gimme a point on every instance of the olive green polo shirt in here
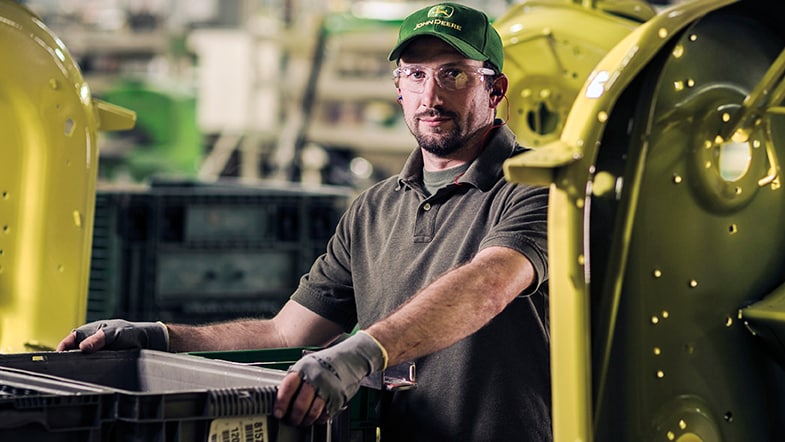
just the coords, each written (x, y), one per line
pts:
(394, 240)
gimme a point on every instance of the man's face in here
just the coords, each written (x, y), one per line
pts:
(443, 120)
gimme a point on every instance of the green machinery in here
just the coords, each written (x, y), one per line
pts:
(666, 239)
(49, 122)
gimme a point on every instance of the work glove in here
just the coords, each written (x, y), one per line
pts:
(335, 372)
(121, 334)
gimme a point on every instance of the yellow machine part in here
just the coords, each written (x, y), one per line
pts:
(47, 182)
(550, 48)
(666, 246)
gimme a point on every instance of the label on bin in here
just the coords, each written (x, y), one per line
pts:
(236, 429)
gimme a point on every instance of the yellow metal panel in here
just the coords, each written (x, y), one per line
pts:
(550, 48)
(47, 184)
(568, 163)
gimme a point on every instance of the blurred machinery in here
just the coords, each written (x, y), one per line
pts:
(165, 140)
(49, 123)
(666, 239)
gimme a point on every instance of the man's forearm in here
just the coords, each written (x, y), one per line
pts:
(293, 326)
(234, 335)
(454, 306)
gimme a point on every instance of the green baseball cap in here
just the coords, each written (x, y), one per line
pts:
(467, 30)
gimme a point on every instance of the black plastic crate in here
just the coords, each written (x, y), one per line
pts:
(362, 421)
(173, 397)
(205, 252)
(38, 408)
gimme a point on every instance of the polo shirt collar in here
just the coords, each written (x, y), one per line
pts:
(484, 171)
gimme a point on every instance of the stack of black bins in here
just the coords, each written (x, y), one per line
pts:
(142, 396)
(194, 253)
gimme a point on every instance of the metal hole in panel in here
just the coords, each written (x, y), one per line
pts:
(734, 160)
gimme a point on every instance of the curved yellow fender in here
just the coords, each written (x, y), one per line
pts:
(48, 162)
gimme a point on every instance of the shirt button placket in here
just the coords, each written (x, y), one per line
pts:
(425, 224)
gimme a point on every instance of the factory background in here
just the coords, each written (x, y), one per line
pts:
(257, 122)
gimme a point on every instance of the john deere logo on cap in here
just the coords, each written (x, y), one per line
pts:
(441, 11)
(436, 14)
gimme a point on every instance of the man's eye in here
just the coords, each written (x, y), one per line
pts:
(416, 74)
(453, 74)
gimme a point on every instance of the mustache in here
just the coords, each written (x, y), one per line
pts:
(434, 113)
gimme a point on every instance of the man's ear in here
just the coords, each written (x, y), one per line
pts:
(498, 90)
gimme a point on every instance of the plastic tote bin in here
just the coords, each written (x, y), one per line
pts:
(37, 407)
(362, 420)
(174, 397)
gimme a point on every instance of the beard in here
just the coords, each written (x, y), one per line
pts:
(439, 142)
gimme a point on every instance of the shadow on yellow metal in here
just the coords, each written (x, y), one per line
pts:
(666, 243)
(550, 48)
(48, 122)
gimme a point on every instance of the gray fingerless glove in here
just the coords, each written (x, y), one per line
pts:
(121, 334)
(336, 371)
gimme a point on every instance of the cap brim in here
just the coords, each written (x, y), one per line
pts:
(465, 49)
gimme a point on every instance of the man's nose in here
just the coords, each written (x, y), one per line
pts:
(431, 93)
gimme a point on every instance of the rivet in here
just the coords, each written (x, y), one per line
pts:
(657, 351)
(665, 314)
(660, 374)
(602, 116)
(657, 273)
(678, 85)
(678, 51)
(662, 32)
(682, 424)
(693, 283)
(725, 117)
(677, 179)
(693, 37)
(733, 229)
(655, 320)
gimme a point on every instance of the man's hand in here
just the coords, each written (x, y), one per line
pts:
(321, 384)
(117, 334)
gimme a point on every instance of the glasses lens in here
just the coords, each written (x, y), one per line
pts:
(454, 79)
(451, 78)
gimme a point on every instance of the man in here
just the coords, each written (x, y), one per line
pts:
(444, 265)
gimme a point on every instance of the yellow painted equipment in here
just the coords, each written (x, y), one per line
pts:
(550, 48)
(666, 238)
(48, 121)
